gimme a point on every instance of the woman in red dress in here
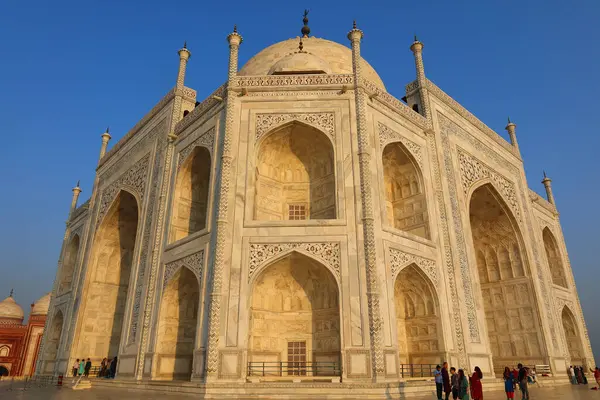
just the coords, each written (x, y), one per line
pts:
(475, 384)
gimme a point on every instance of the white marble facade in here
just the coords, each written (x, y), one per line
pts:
(302, 203)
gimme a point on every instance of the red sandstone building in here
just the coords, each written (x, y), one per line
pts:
(19, 343)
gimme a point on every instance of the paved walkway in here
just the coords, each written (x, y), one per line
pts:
(558, 393)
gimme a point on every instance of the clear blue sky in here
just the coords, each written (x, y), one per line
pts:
(70, 68)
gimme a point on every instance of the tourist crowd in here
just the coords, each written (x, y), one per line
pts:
(456, 383)
(108, 368)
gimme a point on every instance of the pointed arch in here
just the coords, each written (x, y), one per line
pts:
(572, 337)
(295, 300)
(178, 321)
(68, 265)
(295, 177)
(53, 338)
(554, 258)
(406, 205)
(190, 197)
(111, 263)
(418, 318)
(512, 315)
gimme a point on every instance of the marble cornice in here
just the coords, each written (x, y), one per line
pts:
(214, 99)
(537, 199)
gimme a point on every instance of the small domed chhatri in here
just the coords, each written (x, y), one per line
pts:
(40, 307)
(300, 224)
(10, 311)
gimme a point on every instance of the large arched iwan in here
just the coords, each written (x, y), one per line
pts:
(110, 269)
(511, 313)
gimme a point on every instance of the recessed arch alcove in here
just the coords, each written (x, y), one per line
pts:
(190, 197)
(177, 326)
(406, 206)
(294, 177)
(512, 317)
(572, 337)
(418, 318)
(294, 315)
(68, 265)
(53, 338)
(554, 258)
(110, 269)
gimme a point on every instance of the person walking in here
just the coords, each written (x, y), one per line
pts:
(596, 373)
(108, 364)
(463, 388)
(88, 366)
(113, 368)
(81, 366)
(439, 383)
(476, 387)
(446, 380)
(454, 384)
(572, 375)
(583, 377)
(102, 368)
(522, 378)
(75, 367)
(509, 383)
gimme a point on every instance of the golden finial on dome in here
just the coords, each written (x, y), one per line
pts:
(305, 29)
(11, 292)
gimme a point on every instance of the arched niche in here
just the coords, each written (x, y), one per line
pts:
(554, 259)
(572, 337)
(4, 351)
(418, 318)
(406, 206)
(4, 371)
(110, 269)
(177, 326)
(68, 265)
(294, 316)
(512, 316)
(190, 198)
(295, 178)
(53, 338)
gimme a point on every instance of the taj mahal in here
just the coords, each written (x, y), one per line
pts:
(302, 229)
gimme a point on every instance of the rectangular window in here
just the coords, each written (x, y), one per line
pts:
(296, 212)
(297, 358)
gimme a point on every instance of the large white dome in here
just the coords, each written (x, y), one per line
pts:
(335, 56)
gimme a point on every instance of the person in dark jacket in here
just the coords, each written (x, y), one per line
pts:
(88, 366)
(522, 379)
(446, 380)
(113, 367)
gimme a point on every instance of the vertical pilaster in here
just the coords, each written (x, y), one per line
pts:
(76, 191)
(184, 55)
(417, 49)
(222, 237)
(364, 160)
(511, 128)
(548, 186)
(105, 138)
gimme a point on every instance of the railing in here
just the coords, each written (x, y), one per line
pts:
(306, 368)
(417, 370)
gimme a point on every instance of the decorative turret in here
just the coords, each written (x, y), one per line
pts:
(105, 138)
(511, 128)
(548, 185)
(184, 55)
(234, 39)
(76, 191)
(417, 49)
